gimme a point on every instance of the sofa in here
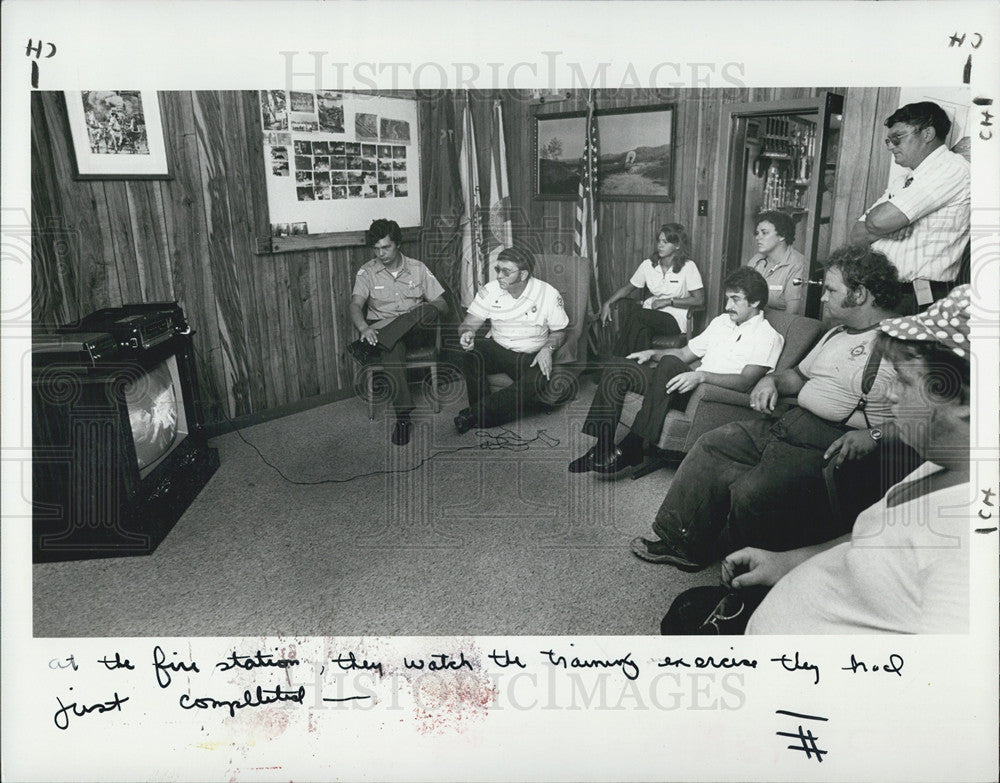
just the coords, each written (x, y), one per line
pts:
(712, 406)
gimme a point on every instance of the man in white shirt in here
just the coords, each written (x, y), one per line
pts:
(921, 222)
(736, 350)
(759, 482)
(527, 323)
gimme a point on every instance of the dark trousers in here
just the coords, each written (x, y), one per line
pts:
(621, 376)
(752, 483)
(414, 329)
(487, 357)
(638, 326)
(908, 297)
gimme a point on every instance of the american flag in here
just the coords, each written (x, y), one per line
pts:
(585, 226)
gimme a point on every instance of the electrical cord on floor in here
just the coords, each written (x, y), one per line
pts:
(501, 440)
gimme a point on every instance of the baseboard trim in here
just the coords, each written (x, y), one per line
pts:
(252, 419)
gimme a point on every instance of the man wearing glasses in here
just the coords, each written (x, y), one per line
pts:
(527, 320)
(921, 222)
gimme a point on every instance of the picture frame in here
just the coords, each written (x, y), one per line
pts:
(635, 161)
(117, 134)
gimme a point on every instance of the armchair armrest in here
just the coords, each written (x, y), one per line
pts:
(692, 312)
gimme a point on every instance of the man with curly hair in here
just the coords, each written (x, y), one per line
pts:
(759, 482)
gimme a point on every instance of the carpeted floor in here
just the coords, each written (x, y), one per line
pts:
(451, 535)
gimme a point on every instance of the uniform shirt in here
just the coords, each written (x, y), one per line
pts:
(782, 293)
(726, 348)
(388, 296)
(667, 282)
(834, 369)
(936, 202)
(894, 576)
(521, 324)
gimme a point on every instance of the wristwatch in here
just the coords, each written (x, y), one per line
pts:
(876, 434)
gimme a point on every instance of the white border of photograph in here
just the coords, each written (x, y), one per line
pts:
(91, 165)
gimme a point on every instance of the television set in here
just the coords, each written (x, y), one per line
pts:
(119, 450)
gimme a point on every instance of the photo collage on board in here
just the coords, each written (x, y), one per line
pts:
(306, 137)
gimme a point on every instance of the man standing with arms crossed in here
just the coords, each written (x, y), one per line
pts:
(921, 222)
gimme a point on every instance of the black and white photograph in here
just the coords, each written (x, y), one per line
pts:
(331, 111)
(278, 139)
(279, 165)
(340, 447)
(117, 134)
(393, 130)
(273, 110)
(302, 102)
(366, 126)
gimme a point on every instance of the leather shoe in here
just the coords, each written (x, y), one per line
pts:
(616, 463)
(465, 421)
(401, 432)
(586, 462)
(364, 352)
(659, 551)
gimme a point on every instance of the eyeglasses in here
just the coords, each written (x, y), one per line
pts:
(892, 140)
(501, 272)
(729, 608)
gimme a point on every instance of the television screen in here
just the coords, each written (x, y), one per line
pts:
(156, 413)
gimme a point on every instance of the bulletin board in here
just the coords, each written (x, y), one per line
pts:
(334, 161)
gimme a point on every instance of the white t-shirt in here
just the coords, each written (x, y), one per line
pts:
(905, 570)
(835, 368)
(667, 282)
(726, 348)
(521, 324)
(937, 203)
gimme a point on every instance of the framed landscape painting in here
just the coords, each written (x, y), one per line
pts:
(635, 161)
(117, 134)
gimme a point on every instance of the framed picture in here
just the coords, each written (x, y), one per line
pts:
(635, 161)
(117, 134)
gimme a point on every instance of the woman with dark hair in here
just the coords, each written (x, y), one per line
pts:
(905, 566)
(674, 285)
(778, 262)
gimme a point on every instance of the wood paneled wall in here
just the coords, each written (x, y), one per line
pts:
(627, 231)
(272, 330)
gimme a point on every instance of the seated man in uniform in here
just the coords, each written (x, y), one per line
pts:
(736, 350)
(759, 482)
(527, 320)
(404, 301)
(921, 222)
